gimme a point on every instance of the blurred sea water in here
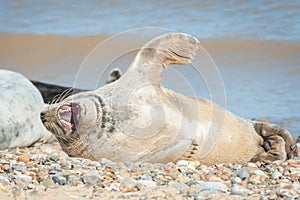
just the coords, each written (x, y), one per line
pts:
(255, 44)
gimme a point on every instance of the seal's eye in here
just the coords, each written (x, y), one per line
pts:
(68, 115)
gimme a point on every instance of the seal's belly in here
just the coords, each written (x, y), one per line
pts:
(236, 144)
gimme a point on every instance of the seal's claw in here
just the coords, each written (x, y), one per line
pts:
(293, 152)
(266, 145)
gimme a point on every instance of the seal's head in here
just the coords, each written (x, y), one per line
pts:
(70, 119)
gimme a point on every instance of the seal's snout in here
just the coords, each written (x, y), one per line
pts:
(68, 115)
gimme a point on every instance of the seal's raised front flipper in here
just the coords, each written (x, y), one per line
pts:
(156, 55)
(278, 143)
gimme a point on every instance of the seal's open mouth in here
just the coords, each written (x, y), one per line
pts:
(68, 115)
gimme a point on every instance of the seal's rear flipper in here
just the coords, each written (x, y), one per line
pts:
(156, 55)
(278, 143)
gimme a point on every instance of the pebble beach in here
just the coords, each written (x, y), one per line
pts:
(44, 171)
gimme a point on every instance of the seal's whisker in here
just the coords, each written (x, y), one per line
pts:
(54, 100)
(65, 94)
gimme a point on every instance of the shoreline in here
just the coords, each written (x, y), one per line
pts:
(43, 171)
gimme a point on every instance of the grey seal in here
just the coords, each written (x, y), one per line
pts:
(20, 105)
(136, 119)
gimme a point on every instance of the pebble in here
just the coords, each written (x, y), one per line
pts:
(114, 187)
(4, 181)
(48, 183)
(2, 188)
(34, 170)
(55, 179)
(19, 167)
(178, 186)
(6, 167)
(296, 186)
(258, 172)
(238, 190)
(144, 197)
(91, 177)
(24, 158)
(128, 184)
(252, 165)
(242, 174)
(147, 183)
(276, 175)
(195, 195)
(182, 163)
(23, 177)
(237, 180)
(74, 180)
(212, 187)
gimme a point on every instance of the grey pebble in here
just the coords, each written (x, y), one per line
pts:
(195, 195)
(269, 169)
(74, 180)
(237, 180)
(296, 186)
(1, 186)
(48, 150)
(19, 167)
(258, 172)
(212, 187)
(239, 190)
(17, 191)
(31, 186)
(21, 184)
(55, 179)
(147, 183)
(144, 197)
(48, 183)
(36, 156)
(114, 187)
(129, 182)
(4, 181)
(91, 177)
(243, 174)
(54, 166)
(145, 177)
(178, 186)
(276, 175)
(59, 180)
(23, 177)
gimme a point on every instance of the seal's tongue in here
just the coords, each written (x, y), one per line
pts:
(69, 116)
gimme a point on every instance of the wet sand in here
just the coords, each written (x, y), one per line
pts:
(56, 58)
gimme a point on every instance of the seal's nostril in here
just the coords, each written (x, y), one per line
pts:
(42, 116)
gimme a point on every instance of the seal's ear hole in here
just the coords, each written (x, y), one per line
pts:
(114, 75)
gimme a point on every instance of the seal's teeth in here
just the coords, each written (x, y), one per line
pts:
(66, 124)
(65, 110)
